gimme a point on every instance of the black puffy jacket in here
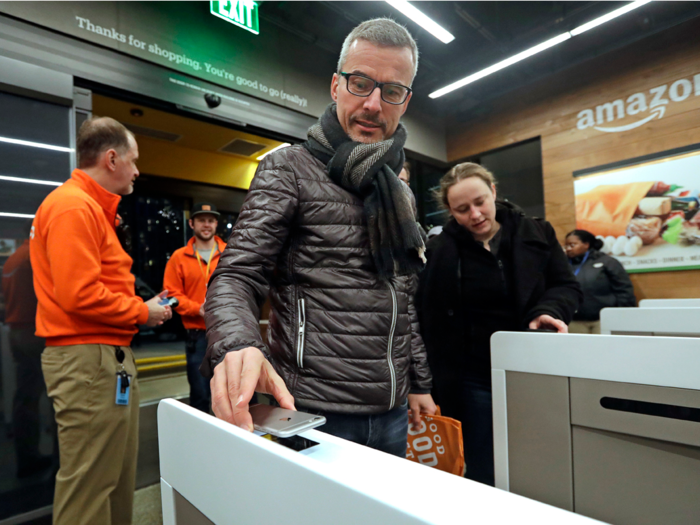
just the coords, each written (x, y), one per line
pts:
(605, 283)
(343, 340)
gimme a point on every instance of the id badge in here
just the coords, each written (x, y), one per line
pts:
(123, 388)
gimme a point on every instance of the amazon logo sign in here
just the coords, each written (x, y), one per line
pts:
(648, 106)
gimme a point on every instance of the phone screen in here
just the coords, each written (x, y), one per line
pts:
(297, 443)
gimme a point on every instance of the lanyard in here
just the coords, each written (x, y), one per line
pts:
(581, 265)
(199, 263)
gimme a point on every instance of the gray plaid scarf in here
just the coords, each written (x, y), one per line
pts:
(369, 171)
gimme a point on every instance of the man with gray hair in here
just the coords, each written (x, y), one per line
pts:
(328, 231)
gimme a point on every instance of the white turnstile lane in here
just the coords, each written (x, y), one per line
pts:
(669, 303)
(235, 477)
(665, 321)
(657, 361)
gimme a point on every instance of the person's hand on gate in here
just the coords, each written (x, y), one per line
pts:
(550, 323)
(420, 403)
(237, 378)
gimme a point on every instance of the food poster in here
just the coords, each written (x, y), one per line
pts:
(646, 214)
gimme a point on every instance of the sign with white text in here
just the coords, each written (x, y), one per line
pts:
(184, 36)
(243, 13)
(611, 117)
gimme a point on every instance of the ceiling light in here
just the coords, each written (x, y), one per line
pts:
(261, 157)
(16, 215)
(427, 23)
(606, 18)
(503, 64)
(534, 50)
(30, 181)
(34, 144)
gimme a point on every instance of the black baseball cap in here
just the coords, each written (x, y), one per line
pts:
(204, 207)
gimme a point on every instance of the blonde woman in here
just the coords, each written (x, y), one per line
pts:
(491, 269)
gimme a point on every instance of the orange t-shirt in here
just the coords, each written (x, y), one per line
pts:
(18, 288)
(82, 275)
(186, 278)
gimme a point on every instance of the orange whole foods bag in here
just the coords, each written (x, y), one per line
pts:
(608, 209)
(437, 443)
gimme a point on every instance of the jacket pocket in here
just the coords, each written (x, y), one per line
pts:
(301, 329)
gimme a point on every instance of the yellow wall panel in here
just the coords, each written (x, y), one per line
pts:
(161, 158)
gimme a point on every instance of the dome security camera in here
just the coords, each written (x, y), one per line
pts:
(213, 101)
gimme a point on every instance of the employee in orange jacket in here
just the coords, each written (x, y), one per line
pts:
(88, 312)
(186, 276)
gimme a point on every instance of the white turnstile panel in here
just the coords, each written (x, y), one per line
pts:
(657, 361)
(666, 321)
(235, 477)
(669, 303)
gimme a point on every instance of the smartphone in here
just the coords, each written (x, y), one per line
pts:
(170, 301)
(281, 422)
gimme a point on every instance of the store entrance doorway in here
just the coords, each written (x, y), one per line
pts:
(182, 161)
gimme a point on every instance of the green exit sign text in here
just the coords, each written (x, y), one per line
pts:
(243, 13)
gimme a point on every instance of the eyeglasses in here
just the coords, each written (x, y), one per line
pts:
(362, 86)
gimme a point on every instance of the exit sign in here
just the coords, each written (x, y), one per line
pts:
(243, 13)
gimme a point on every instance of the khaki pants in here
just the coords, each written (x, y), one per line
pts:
(98, 439)
(584, 327)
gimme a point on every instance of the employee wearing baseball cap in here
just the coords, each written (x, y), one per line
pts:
(186, 276)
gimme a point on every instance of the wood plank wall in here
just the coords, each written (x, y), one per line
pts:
(549, 110)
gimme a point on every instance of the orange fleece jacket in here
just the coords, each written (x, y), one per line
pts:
(82, 275)
(184, 278)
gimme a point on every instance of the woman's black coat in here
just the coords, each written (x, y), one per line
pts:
(605, 283)
(543, 283)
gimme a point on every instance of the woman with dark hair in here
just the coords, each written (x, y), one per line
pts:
(603, 279)
(491, 269)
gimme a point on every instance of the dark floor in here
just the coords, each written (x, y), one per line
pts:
(46, 520)
(147, 508)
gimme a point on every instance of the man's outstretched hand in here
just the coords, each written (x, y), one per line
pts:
(237, 378)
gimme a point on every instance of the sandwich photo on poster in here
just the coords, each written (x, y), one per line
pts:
(645, 210)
